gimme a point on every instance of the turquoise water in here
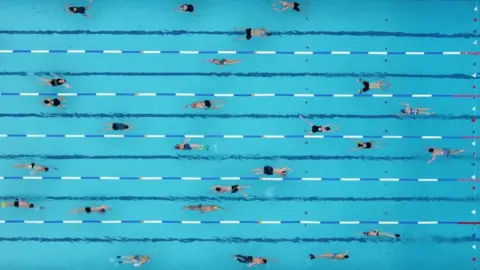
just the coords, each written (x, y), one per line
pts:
(340, 26)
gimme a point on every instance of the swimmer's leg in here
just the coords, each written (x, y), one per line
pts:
(456, 151)
(232, 62)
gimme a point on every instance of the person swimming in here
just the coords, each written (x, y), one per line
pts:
(186, 146)
(32, 166)
(232, 189)
(203, 208)
(88, 209)
(56, 102)
(57, 81)
(251, 261)
(136, 260)
(119, 126)
(381, 85)
(206, 104)
(414, 111)
(78, 10)
(268, 170)
(186, 8)
(367, 145)
(18, 203)
(446, 152)
(249, 33)
(223, 62)
(378, 233)
(324, 128)
(286, 5)
(331, 256)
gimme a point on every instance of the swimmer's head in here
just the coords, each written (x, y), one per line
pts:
(365, 233)
(430, 150)
(269, 34)
(102, 210)
(177, 146)
(360, 145)
(346, 257)
(31, 205)
(264, 261)
(72, 9)
(403, 111)
(47, 101)
(183, 7)
(63, 80)
(211, 60)
(218, 189)
(284, 173)
(126, 126)
(46, 169)
(327, 128)
(214, 208)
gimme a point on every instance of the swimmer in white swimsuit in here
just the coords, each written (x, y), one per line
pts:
(414, 111)
(446, 152)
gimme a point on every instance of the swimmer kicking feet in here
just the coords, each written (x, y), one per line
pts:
(414, 111)
(381, 85)
(268, 170)
(185, 8)
(285, 5)
(18, 203)
(56, 102)
(249, 33)
(136, 260)
(77, 10)
(324, 128)
(58, 81)
(446, 152)
(223, 62)
(89, 209)
(32, 166)
(203, 208)
(206, 104)
(378, 233)
(367, 145)
(331, 256)
(186, 146)
(232, 189)
(119, 127)
(252, 260)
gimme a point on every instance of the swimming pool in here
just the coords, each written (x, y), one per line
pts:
(384, 185)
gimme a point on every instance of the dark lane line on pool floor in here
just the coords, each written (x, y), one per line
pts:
(236, 33)
(227, 116)
(249, 199)
(240, 240)
(245, 74)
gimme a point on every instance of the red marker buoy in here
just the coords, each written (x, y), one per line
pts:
(475, 19)
(474, 86)
(474, 259)
(474, 120)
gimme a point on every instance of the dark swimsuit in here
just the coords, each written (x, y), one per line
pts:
(208, 103)
(244, 259)
(56, 102)
(268, 170)
(88, 209)
(79, 10)
(190, 8)
(187, 147)
(367, 145)
(16, 203)
(222, 62)
(248, 33)
(366, 86)
(316, 129)
(296, 6)
(118, 126)
(56, 82)
(234, 188)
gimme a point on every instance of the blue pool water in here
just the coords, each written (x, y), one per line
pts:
(356, 26)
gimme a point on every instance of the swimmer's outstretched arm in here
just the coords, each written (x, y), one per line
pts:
(186, 141)
(306, 121)
(287, 169)
(89, 4)
(433, 158)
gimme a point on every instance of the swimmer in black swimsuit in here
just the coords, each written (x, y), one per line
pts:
(185, 8)
(18, 203)
(223, 62)
(251, 261)
(287, 5)
(206, 104)
(56, 102)
(268, 170)
(367, 145)
(32, 166)
(380, 85)
(203, 208)
(118, 127)
(249, 33)
(325, 128)
(58, 81)
(378, 233)
(232, 189)
(88, 209)
(77, 10)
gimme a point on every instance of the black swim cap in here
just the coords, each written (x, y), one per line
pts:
(126, 126)
(177, 146)
(71, 9)
(327, 128)
(218, 189)
(264, 260)
(102, 210)
(46, 169)
(269, 34)
(360, 145)
(46, 101)
(31, 205)
(430, 150)
(346, 257)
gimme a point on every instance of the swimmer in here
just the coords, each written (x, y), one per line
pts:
(18, 203)
(186, 146)
(332, 256)
(185, 8)
(367, 145)
(232, 189)
(268, 170)
(206, 104)
(58, 81)
(136, 260)
(249, 33)
(89, 209)
(446, 152)
(77, 10)
(381, 85)
(325, 128)
(119, 127)
(286, 5)
(56, 102)
(252, 260)
(223, 62)
(378, 233)
(414, 111)
(203, 208)
(32, 166)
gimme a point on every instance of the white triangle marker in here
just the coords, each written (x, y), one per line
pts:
(474, 246)
(474, 143)
(474, 75)
(475, 9)
(473, 212)
(473, 177)
(475, 42)
(474, 108)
